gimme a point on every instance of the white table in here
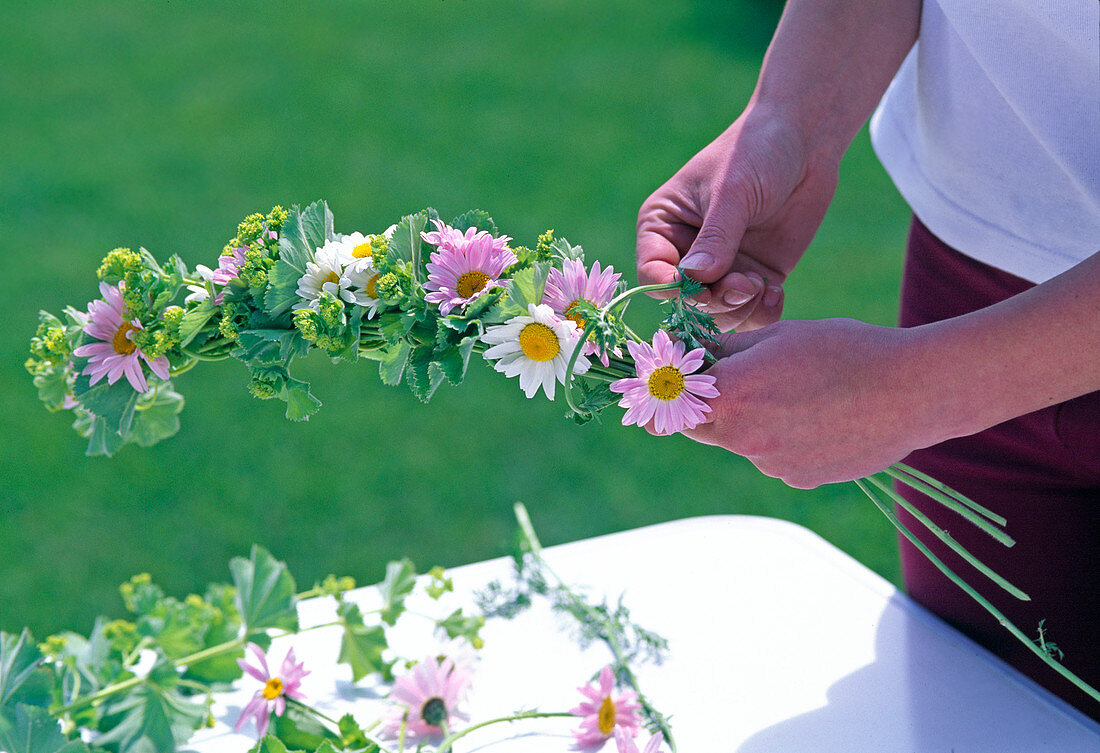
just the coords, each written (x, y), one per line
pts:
(778, 642)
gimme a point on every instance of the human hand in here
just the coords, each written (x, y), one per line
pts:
(738, 215)
(813, 402)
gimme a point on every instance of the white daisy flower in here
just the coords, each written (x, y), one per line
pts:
(324, 275)
(360, 274)
(536, 348)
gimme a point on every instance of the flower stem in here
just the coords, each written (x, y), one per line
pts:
(450, 739)
(945, 537)
(608, 636)
(884, 508)
(132, 682)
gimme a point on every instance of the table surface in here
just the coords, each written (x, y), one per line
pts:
(778, 642)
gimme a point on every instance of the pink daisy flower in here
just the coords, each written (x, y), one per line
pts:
(572, 285)
(426, 699)
(625, 744)
(663, 391)
(276, 689)
(116, 354)
(465, 265)
(606, 712)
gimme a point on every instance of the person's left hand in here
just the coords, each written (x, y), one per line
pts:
(814, 402)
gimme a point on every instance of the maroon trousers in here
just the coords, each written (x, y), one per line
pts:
(1040, 471)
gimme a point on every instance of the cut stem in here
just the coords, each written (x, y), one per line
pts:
(885, 509)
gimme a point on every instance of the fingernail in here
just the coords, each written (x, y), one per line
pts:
(697, 261)
(772, 295)
(736, 297)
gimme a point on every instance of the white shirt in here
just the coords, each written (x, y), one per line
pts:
(991, 131)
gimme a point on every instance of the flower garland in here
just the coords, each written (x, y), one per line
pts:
(419, 298)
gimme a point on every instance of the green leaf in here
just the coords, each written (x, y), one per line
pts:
(478, 218)
(101, 439)
(391, 363)
(159, 419)
(265, 591)
(453, 361)
(53, 386)
(398, 584)
(19, 657)
(268, 744)
(352, 736)
(270, 346)
(458, 625)
(423, 380)
(297, 728)
(302, 234)
(32, 729)
(362, 645)
(282, 288)
(153, 718)
(393, 326)
(524, 288)
(562, 249)
(300, 402)
(406, 243)
(114, 404)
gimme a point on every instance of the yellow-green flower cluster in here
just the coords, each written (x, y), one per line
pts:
(323, 327)
(260, 250)
(118, 263)
(543, 251)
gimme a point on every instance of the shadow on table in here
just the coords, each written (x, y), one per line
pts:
(922, 697)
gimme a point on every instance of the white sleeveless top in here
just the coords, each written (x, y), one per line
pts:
(991, 131)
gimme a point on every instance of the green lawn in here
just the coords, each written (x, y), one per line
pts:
(161, 124)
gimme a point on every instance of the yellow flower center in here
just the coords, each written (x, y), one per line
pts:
(273, 689)
(362, 251)
(369, 290)
(470, 283)
(606, 717)
(538, 342)
(123, 345)
(666, 383)
(574, 316)
(331, 277)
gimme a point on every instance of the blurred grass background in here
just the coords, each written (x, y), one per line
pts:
(162, 124)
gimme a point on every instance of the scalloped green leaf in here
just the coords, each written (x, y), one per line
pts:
(362, 646)
(423, 379)
(526, 287)
(478, 218)
(399, 582)
(392, 360)
(265, 591)
(153, 718)
(300, 402)
(32, 729)
(19, 657)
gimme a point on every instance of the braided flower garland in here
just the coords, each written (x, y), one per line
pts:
(419, 298)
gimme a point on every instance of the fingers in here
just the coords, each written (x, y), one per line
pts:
(764, 308)
(712, 253)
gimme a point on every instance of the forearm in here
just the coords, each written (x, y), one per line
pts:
(1033, 350)
(829, 63)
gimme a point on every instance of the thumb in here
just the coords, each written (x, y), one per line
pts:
(712, 253)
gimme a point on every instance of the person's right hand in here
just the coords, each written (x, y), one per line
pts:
(738, 216)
